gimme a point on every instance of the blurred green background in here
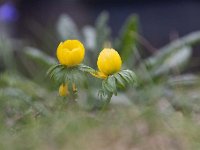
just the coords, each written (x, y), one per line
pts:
(158, 40)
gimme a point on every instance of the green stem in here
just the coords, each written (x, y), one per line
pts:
(72, 98)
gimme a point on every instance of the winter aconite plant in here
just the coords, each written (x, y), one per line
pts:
(69, 71)
(109, 64)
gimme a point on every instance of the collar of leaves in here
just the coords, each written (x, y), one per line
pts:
(118, 80)
(62, 74)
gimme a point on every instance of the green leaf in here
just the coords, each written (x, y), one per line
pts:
(174, 62)
(58, 74)
(52, 68)
(102, 94)
(132, 75)
(184, 80)
(85, 68)
(112, 83)
(129, 76)
(66, 28)
(62, 74)
(106, 87)
(120, 80)
(105, 95)
(128, 38)
(39, 57)
(89, 34)
(102, 30)
(126, 76)
(158, 58)
(123, 76)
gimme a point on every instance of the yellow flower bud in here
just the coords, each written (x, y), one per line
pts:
(74, 87)
(109, 61)
(63, 90)
(70, 53)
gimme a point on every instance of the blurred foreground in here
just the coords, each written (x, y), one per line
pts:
(156, 124)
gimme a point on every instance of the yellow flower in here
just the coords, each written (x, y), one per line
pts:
(63, 89)
(109, 62)
(70, 53)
